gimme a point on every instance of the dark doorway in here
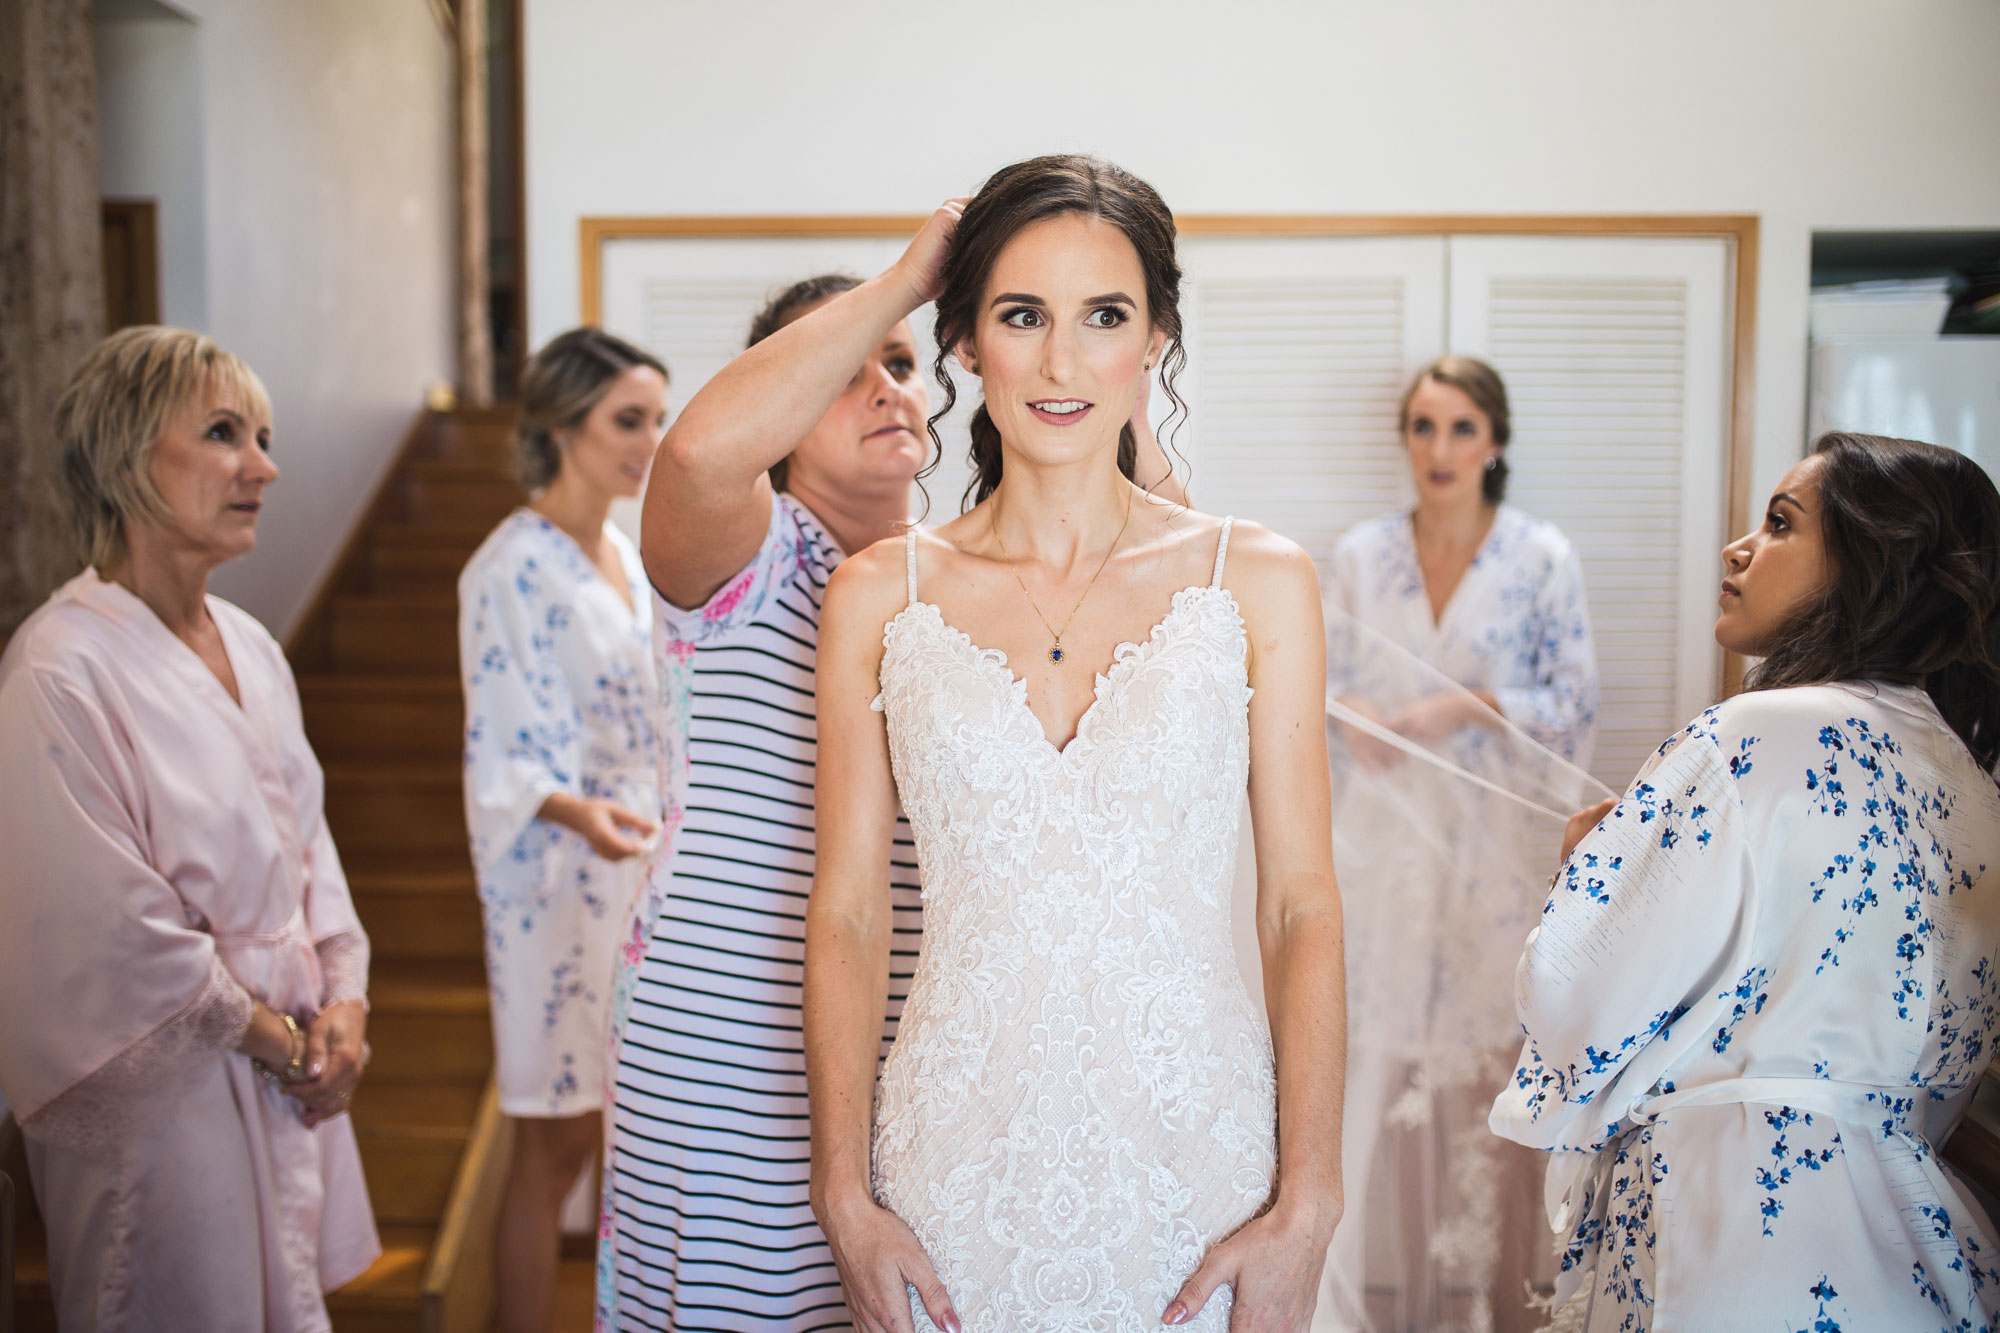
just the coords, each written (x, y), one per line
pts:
(131, 263)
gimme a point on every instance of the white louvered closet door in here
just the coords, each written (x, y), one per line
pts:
(1615, 353)
(690, 300)
(1298, 352)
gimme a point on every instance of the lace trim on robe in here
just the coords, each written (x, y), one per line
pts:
(128, 1096)
(343, 965)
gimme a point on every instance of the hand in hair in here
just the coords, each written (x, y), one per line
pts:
(922, 263)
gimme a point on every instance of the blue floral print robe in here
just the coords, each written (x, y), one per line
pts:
(1440, 882)
(560, 696)
(1760, 996)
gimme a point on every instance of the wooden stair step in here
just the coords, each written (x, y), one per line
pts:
(394, 533)
(428, 988)
(403, 866)
(388, 1298)
(411, 1177)
(411, 1045)
(382, 716)
(371, 634)
(459, 436)
(403, 924)
(462, 496)
(449, 877)
(415, 1108)
(408, 805)
(449, 471)
(429, 1020)
(414, 568)
(393, 867)
(461, 531)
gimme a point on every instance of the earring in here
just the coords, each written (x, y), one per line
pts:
(1493, 462)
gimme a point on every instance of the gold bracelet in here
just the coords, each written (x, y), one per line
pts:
(294, 1069)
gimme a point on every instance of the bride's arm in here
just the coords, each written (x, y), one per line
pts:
(847, 951)
(1273, 1263)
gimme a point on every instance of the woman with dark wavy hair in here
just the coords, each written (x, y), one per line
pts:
(1767, 980)
(1070, 687)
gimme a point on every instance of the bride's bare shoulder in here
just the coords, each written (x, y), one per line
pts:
(1271, 576)
(869, 584)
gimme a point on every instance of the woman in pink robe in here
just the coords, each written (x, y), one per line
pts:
(182, 976)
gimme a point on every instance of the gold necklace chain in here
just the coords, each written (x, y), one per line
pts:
(1056, 653)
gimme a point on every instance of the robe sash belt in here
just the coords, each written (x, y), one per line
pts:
(1883, 1109)
(280, 968)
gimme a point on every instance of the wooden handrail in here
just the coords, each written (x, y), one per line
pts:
(458, 1280)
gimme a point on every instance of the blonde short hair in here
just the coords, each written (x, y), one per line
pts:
(114, 410)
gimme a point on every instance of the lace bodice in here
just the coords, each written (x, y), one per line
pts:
(1081, 1100)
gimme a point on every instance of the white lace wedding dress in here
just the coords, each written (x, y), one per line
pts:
(1081, 1101)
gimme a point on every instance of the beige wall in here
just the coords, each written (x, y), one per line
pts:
(1813, 113)
(325, 236)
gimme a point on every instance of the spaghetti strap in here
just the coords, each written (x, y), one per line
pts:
(1221, 554)
(910, 562)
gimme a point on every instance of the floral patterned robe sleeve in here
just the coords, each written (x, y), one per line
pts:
(523, 736)
(1639, 926)
(1560, 708)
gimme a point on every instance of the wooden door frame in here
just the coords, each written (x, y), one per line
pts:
(141, 220)
(1739, 230)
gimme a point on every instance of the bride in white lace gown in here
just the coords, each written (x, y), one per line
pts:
(1078, 1126)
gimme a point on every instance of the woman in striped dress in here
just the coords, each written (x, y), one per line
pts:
(706, 1223)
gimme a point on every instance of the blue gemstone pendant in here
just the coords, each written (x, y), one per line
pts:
(1056, 654)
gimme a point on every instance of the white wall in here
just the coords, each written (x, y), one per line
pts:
(320, 248)
(149, 120)
(1811, 113)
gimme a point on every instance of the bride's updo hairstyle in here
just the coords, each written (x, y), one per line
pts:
(1017, 197)
(1912, 535)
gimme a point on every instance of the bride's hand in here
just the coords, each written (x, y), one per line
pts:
(920, 263)
(1273, 1266)
(879, 1259)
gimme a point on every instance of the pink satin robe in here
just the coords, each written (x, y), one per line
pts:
(166, 860)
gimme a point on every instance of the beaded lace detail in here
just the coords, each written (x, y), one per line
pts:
(132, 1095)
(1081, 1102)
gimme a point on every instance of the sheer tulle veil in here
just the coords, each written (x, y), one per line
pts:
(1443, 848)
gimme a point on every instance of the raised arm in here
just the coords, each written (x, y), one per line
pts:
(709, 500)
(1274, 1262)
(848, 925)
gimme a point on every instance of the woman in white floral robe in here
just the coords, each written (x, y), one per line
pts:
(562, 723)
(1488, 662)
(1765, 985)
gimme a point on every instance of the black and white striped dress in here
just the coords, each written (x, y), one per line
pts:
(707, 1221)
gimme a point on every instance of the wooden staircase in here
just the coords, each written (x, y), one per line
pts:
(377, 665)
